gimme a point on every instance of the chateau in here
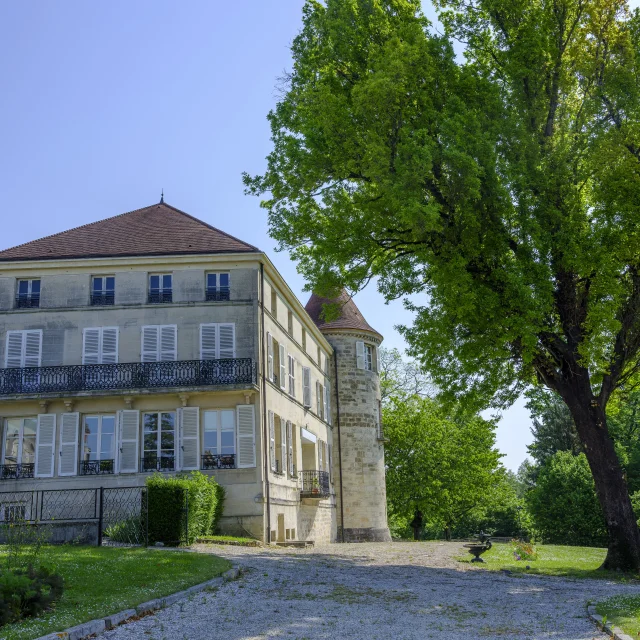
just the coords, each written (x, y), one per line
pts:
(153, 342)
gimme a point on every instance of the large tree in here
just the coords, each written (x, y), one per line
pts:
(504, 188)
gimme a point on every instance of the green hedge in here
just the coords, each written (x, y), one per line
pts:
(183, 507)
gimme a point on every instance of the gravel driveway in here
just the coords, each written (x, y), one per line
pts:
(390, 591)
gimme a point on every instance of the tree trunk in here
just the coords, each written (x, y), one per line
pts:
(624, 537)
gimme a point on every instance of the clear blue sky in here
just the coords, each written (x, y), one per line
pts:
(105, 103)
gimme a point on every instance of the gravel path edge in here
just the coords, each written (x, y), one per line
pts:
(94, 627)
(615, 632)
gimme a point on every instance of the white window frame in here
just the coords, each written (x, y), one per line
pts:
(161, 277)
(114, 445)
(159, 434)
(282, 361)
(219, 430)
(29, 282)
(20, 438)
(103, 291)
(270, 359)
(306, 387)
(368, 357)
(218, 287)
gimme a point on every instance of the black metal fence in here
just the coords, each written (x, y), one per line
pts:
(127, 375)
(118, 513)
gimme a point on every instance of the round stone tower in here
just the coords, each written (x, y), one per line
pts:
(358, 445)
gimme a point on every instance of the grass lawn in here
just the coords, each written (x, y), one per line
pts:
(99, 581)
(623, 612)
(553, 560)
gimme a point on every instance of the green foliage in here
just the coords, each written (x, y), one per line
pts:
(401, 379)
(524, 550)
(128, 531)
(183, 507)
(218, 508)
(445, 465)
(564, 505)
(24, 542)
(27, 593)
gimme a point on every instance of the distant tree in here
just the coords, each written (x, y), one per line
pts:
(444, 465)
(402, 378)
(553, 427)
(502, 189)
(564, 505)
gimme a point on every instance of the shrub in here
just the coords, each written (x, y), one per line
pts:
(27, 593)
(524, 550)
(23, 543)
(181, 508)
(128, 531)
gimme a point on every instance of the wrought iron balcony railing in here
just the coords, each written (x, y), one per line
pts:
(153, 462)
(156, 297)
(211, 461)
(128, 375)
(16, 471)
(26, 301)
(103, 298)
(96, 467)
(217, 295)
(315, 484)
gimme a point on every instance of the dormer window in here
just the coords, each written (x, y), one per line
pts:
(103, 290)
(218, 286)
(160, 288)
(28, 294)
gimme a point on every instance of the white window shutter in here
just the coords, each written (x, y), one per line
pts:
(227, 337)
(283, 368)
(109, 346)
(168, 342)
(45, 445)
(319, 400)
(360, 354)
(13, 351)
(283, 446)
(68, 458)
(33, 348)
(189, 424)
(149, 350)
(272, 440)
(129, 421)
(292, 377)
(208, 341)
(306, 386)
(270, 357)
(246, 435)
(325, 455)
(320, 449)
(290, 441)
(327, 402)
(91, 346)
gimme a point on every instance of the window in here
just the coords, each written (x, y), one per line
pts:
(159, 440)
(292, 377)
(16, 512)
(100, 345)
(327, 404)
(319, 399)
(290, 322)
(23, 349)
(274, 304)
(218, 287)
(103, 290)
(159, 343)
(28, 294)
(319, 352)
(304, 339)
(292, 450)
(98, 445)
(283, 366)
(364, 356)
(19, 448)
(270, 357)
(217, 341)
(160, 288)
(219, 439)
(306, 386)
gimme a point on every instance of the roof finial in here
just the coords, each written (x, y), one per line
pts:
(162, 197)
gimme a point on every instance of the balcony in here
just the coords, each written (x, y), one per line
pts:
(16, 471)
(217, 295)
(102, 298)
(96, 467)
(125, 376)
(153, 462)
(315, 484)
(160, 297)
(213, 461)
(27, 301)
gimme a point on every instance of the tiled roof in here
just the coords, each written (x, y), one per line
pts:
(156, 230)
(350, 316)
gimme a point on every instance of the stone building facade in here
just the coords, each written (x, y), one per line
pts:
(152, 342)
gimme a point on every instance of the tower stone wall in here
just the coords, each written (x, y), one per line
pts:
(361, 451)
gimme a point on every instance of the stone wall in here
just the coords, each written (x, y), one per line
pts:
(363, 472)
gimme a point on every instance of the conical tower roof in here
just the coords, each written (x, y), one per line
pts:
(350, 316)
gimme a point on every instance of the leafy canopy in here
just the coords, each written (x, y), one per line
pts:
(504, 188)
